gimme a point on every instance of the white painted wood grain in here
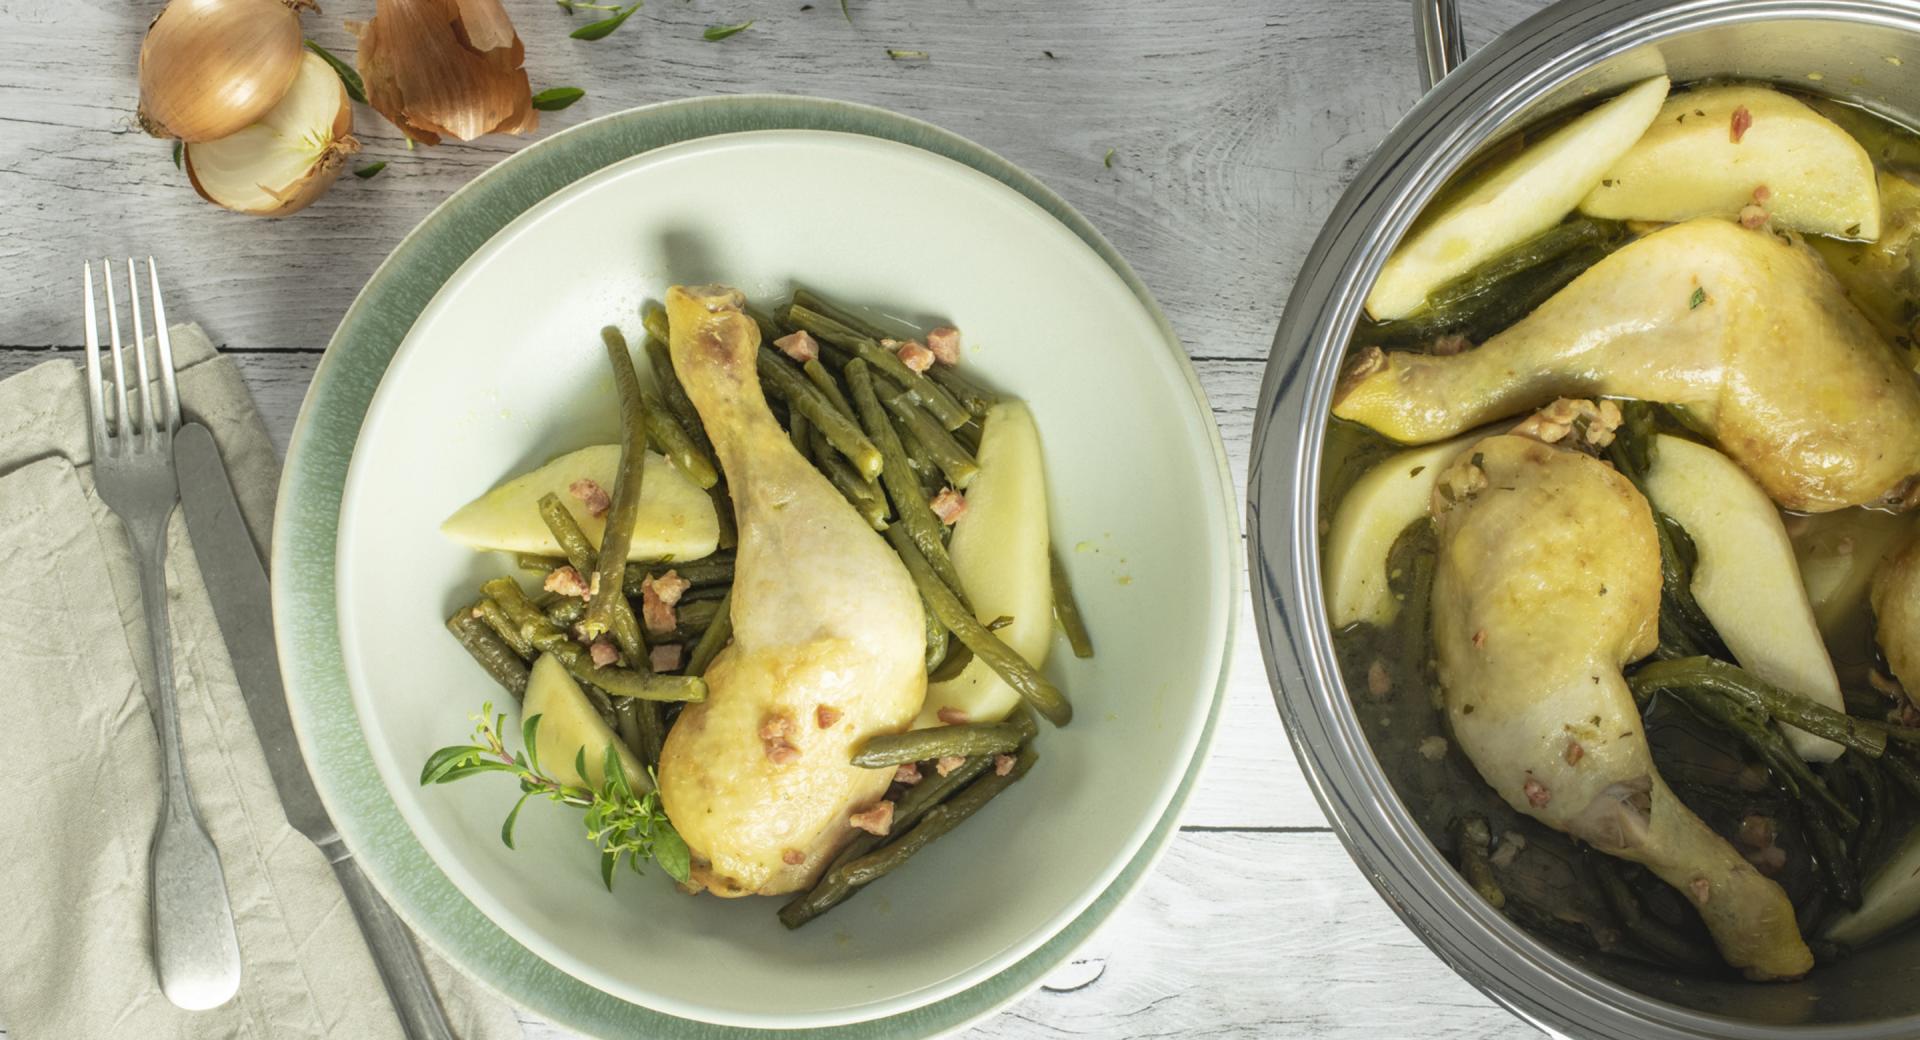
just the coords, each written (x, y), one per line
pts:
(1233, 124)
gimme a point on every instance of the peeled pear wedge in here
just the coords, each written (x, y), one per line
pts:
(1529, 194)
(1687, 165)
(569, 725)
(676, 520)
(999, 548)
(1890, 898)
(1839, 554)
(1746, 579)
(1380, 505)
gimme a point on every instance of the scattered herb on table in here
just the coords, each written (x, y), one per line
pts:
(908, 55)
(177, 147)
(1109, 158)
(356, 88)
(721, 32)
(553, 99)
(371, 170)
(605, 26)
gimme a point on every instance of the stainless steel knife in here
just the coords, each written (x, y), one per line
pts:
(237, 584)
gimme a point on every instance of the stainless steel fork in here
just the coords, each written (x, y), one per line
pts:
(195, 951)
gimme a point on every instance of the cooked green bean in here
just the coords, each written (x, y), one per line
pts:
(714, 639)
(691, 620)
(1756, 729)
(672, 440)
(491, 652)
(566, 612)
(1027, 681)
(919, 745)
(800, 432)
(817, 373)
(778, 376)
(626, 723)
(574, 545)
(969, 394)
(534, 563)
(496, 619)
(909, 500)
(1066, 609)
(1903, 773)
(673, 393)
(940, 447)
(654, 320)
(1873, 811)
(582, 556)
(864, 495)
(716, 569)
(610, 565)
(1830, 852)
(1474, 838)
(939, 821)
(942, 404)
(1645, 929)
(919, 460)
(549, 639)
(1731, 681)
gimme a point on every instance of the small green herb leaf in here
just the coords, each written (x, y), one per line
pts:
(506, 829)
(721, 32)
(1109, 158)
(907, 55)
(178, 147)
(370, 170)
(445, 760)
(1699, 297)
(553, 99)
(605, 26)
(670, 851)
(356, 89)
(529, 735)
(844, 13)
(609, 859)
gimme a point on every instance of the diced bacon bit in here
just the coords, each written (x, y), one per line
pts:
(1451, 344)
(949, 763)
(825, 715)
(1575, 753)
(1379, 679)
(566, 581)
(658, 594)
(799, 346)
(1756, 831)
(603, 653)
(908, 774)
(1537, 794)
(1480, 638)
(476, 613)
(1768, 861)
(590, 494)
(793, 857)
(1742, 121)
(665, 657)
(1002, 764)
(912, 353)
(876, 819)
(1753, 216)
(945, 344)
(776, 732)
(949, 505)
(1762, 193)
(1701, 888)
(953, 716)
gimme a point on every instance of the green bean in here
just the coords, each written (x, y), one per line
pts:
(610, 566)
(534, 563)
(970, 395)
(919, 745)
(940, 447)
(1873, 811)
(956, 659)
(1731, 681)
(626, 723)
(566, 612)
(574, 545)
(1836, 867)
(729, 535)
(938, 822)
(691, 620)
(714, 639)
(1066, 609)
(1472, 837)
(1648, 931)
(937, 400)
(653, 728)
(494, 618)
(674, 394)
(673, 441)
(654, 320)
(919, 460)
(549, 639)
(1032, 687)
(581, 555)
(716, 569)
(938, 643)
(1757, 731)
(863, 495)
(800, 432)
(909, 501)
(492, 653)
(817, 373)
(778, 375)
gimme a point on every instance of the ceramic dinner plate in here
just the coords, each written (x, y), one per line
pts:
(473, 354)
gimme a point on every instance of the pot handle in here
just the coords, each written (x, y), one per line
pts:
(1436, 26)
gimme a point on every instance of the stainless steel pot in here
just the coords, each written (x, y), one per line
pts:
(1867, 50)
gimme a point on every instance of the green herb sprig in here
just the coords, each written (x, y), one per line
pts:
(349, 78)
(605, 26)
(619, 822)
(721, 32)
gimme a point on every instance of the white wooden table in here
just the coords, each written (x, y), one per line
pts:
(1233, 126)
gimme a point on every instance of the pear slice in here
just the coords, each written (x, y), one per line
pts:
(676, 520)
(569, 725)
(1688, 165)
(1891, 898)
(1531, 193)
(1839, 554)
(1000, 551)
(1747, 580)
(1379, 506)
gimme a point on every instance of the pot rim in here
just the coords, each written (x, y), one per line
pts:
(1494, 90)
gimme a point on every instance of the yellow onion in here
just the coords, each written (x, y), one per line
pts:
(210, 67)
(287, 159)
(446, 68)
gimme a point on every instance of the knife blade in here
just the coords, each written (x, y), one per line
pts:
(237, 585)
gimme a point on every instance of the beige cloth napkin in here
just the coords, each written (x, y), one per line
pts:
(79, 759)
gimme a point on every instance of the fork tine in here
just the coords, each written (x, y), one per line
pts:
(169, 393)
(145, 385)
(96, 405)
(120, 418)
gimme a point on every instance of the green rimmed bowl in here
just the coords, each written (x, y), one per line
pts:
(445, 375)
